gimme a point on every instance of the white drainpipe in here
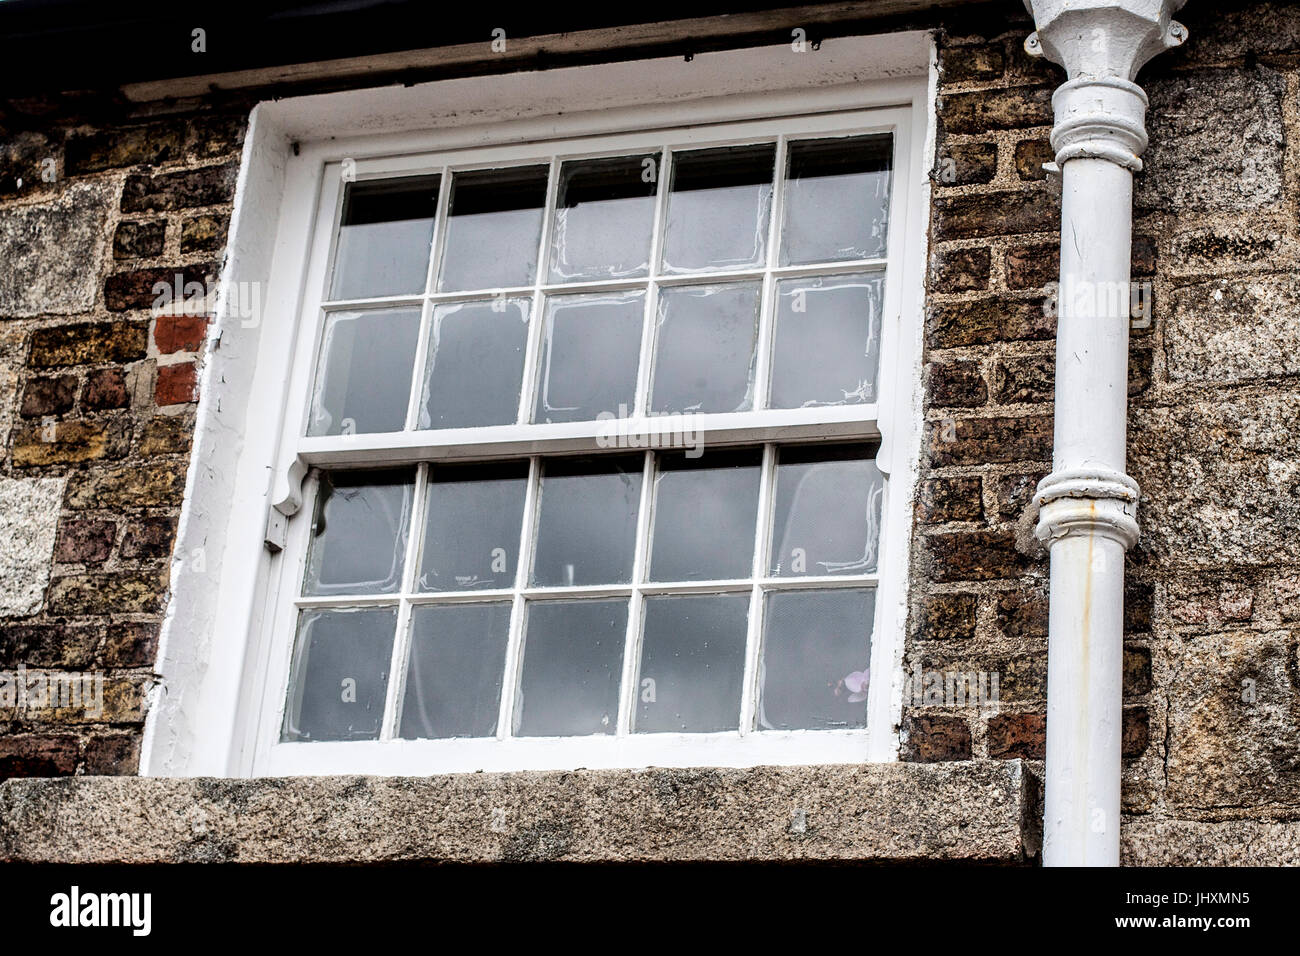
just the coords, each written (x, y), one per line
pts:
(1088, 505)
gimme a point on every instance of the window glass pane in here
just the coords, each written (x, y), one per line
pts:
(816, 658)
(692, 664)
(340, 674)
(494, 226)
(363, 382)
(590, 356)
(704, 515)
(586, 530)
(473, 518)
(604, 216)
(384, 237)
(573, 657)
(826, 517)
(453, 679)
(826, 349)
(475, 363)
(837, 199)
(719, 208)
(358, 535)
(704, 353)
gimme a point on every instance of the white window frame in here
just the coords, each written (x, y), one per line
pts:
(311, 187)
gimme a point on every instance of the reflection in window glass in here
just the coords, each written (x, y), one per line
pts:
(586, 528)
(363, 381)
(718, 209)
(826, 517)
(359, 530)
(704, 515)
(385, 233)
(826, 348)
(816, 659)
(473, 516)
(573, 658)
(692, 664)
(705, 348)
(340, 674)
(475, 363)
(837, 199)
(494, 226)
(603, 219)
(590, 356)
(453, 680)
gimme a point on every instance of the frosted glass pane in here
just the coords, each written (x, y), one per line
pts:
(837, 199)
(340, 674)
(453, 680)
(827, 343)
(826, 518)
(590, 355)
(816, 659)
(472, 522)
(573, 659)
(363, 381)
(704, 353)
(494, 227)
(704, 515)
(586, 530)
(358, 535)
(385, 233)
(692, 664)
(475, 364)
(719, 208)
(604, 217)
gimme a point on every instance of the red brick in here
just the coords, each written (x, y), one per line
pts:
(112, 755)
(84, 541)
(179, 333)
(48, 395)
(38, 755)
(1018, 735)
(105, 388)
(177, 384)
(933, 739)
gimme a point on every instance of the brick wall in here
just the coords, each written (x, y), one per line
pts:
(97, 394)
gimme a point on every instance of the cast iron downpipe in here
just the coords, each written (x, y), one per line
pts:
(1088, 505)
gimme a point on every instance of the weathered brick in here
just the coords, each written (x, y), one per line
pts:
(957, 384)
(205, 186)
(1032, 266)
(1017, 735)
(29, 162)
(1136, 732)
(112, 755)
(130, 645)
(1029, 157)
(934, 738)
(1137, 671)
(974, 556)
(116, 593)
(149, 537)
(1139, 605)
(985, 110)
(48, 395)
(987, 320)
(1140, 365)
(950, 499)
(139, 240)
(124, 146)
(959, 270)
(105, 388)
(179, 333)
(1025, 379)
(980, 215)
(69, 442)
(204, 233)
(55, 645)
(1144, 256)
(158, 483)
(166, 435)
(1015, 493)
(944, 617)
(1022, 615)
(96, 343)
(964, 64)
(158, 288)
(966, 164)
(991, 440)
(85, 541)
(38, 755)
(177, 384)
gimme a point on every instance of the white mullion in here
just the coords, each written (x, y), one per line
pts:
(523, 567)
(441, 227)
(402, 640)
(754, 637)
(767, 302)
(636, 603)
(421, 363)
(531, 379)
(649, 332)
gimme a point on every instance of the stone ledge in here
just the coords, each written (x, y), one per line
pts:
(1155, 842)
(976, 811)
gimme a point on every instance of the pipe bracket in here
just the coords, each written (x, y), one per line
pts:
(1087, 501)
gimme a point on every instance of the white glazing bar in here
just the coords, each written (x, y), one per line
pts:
(645, 368)
(640, 559)
(767, 305)
(537, 319)
(402, 640)
(518, 610)
(754, 636)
